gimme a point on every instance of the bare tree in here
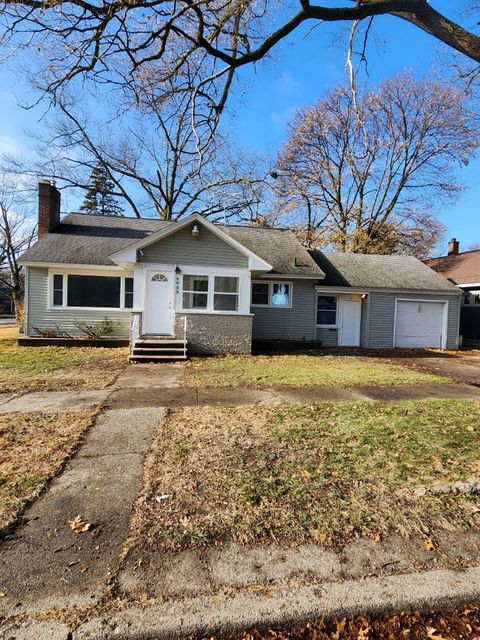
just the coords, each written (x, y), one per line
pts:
(368, 173)
(189, 47)
(17, 233)
(153, 159)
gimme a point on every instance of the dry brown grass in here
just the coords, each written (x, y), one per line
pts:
(8, 331)
(55, 368)
(34, 448)
(322, 473)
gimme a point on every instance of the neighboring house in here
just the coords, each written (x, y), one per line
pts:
(463, 269)
(222, 286)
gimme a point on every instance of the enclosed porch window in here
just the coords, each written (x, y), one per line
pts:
(210, 293)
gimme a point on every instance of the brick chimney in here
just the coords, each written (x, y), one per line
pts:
(453, 247)
(48, 207)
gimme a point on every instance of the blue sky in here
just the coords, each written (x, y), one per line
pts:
(296, 74)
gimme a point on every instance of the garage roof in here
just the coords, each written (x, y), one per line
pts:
(379, 272)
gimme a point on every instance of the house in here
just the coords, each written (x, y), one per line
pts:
(219, 287)
(463, 269)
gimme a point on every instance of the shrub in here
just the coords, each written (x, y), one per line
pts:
(96, 329)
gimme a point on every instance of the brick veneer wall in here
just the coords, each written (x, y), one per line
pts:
(216, 333)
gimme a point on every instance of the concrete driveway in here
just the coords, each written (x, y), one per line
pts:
(464, 368)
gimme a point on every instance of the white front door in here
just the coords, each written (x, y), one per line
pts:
(350, 324)
(158, 315)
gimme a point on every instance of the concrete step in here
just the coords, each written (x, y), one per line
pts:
(163, 349)
(158, 357)
(158, 341)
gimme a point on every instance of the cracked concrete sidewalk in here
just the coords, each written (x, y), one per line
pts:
(44, 564)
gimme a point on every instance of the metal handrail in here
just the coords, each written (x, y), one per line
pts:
(184, 336)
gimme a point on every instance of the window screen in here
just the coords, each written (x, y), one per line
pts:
(93, 291)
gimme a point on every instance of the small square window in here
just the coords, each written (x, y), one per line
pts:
(260, 294)
(281, 294)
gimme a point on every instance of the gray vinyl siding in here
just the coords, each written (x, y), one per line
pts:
(365, 322)
(38, 314)
(328, 337)
(297, 323)
(207, 250)
(382, 317)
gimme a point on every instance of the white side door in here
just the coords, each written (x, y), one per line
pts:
(351, 315)
(158, 308)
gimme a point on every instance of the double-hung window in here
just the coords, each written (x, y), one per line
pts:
(210, 293)
(225, 297)
(271, 294)
(91, 291)
(195, 292)
(326, 311)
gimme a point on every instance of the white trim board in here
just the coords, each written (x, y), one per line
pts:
(73, 265)
(367, 290)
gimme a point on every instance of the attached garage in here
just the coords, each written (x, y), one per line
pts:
(421, 324)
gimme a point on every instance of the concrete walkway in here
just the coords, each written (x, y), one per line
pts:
(236, 396)
(53, 401)
(45, 564)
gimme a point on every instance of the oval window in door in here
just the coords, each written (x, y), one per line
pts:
(159, 277)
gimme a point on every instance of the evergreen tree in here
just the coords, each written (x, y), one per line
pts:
(99, 198)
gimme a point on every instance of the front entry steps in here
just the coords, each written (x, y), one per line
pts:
(152, 348)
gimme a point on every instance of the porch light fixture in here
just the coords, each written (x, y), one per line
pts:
(195, 231)
(178, 271)
(364, 295)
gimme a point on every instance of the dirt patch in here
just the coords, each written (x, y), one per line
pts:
(35, 447)
(462, 368)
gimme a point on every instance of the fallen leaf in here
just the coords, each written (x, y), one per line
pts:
(434, 635)
(378, 536)
(430, 545)
(78, 525)
(2, 595)
(470, 428)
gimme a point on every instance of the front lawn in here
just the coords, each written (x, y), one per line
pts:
(34, 448)
(56, 368)
(320, 473)
(300, 370)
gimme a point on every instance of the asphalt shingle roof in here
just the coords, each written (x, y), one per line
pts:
(87, 239)
(461, 268)
(379, 272)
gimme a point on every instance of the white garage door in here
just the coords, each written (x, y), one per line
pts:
(419, 324)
